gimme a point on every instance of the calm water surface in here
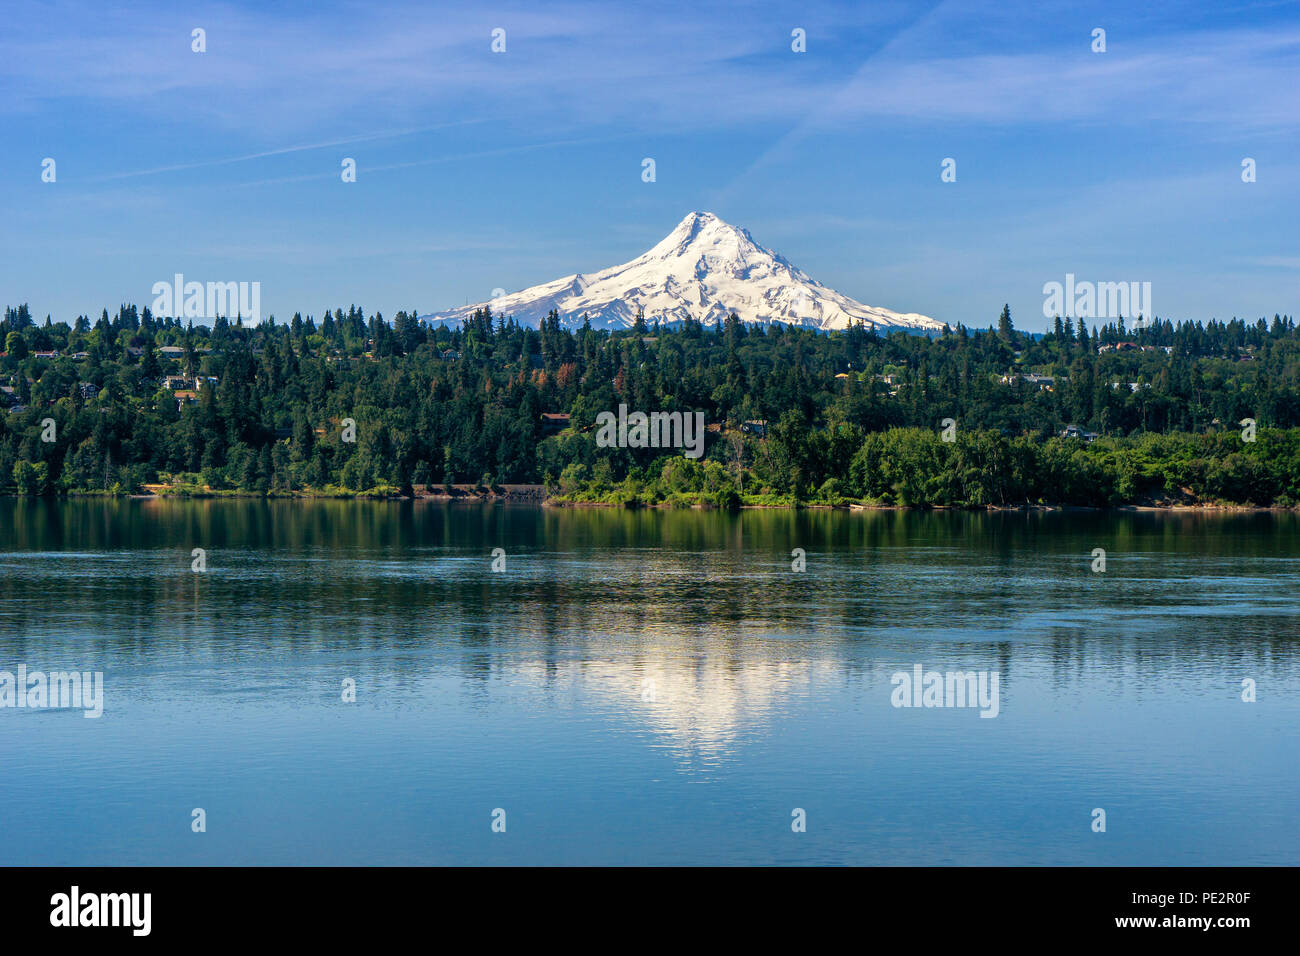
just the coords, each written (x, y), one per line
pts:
(646, 687)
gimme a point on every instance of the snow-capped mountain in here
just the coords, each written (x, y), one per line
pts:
(704, 269)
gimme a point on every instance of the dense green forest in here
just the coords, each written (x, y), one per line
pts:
(348, 404)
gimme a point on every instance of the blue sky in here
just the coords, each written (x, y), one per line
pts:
(478, 170)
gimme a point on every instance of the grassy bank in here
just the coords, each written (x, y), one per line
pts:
(842, 468)
(912, 467)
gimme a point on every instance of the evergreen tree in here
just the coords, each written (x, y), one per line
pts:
(1006, 331)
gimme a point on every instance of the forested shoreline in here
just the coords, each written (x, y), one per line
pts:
(1159, 414)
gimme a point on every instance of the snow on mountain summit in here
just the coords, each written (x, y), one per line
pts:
(705, 269)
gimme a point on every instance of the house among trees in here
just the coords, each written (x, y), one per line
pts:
(1119, 347)
(758, 428)
(1074, 431)
(554, 422)
(185, 397)
(1042, 382)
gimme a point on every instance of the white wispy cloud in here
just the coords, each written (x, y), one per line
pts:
(284, 150)
(595, 64)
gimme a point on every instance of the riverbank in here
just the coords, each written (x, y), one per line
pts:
(560, 502)
(537, 495)
(464, 492)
